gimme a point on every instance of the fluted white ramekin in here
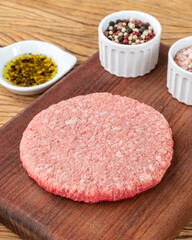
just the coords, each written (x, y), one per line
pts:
(129, 60)
(179, 81)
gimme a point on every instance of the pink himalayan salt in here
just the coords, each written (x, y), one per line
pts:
(184, 58)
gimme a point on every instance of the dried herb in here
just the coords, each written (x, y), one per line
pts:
(30, 70)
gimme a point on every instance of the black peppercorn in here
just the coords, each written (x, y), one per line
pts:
(139, 34)
(120, 38)
(118, 21)
(106, 33)
(142, 29)
(130, 31)
(111, 23)
(115, 29)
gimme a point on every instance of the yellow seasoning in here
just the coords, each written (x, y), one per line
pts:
(29, 70)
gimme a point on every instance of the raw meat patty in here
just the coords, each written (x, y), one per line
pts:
(98, 147)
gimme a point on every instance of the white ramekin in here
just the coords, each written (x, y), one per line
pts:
(129, 60)
(179, 81)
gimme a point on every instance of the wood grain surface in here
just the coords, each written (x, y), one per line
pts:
(33, 213)
(72, 26)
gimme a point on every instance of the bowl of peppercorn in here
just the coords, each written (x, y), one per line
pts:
(30, 67)
(129, 43)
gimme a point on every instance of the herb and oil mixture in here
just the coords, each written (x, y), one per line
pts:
(29, 70)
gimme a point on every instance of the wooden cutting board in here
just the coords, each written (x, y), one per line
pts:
(157, 214)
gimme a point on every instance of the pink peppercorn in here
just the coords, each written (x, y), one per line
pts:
(125, 20)
(135, 33)
(137, 22)
(125, 41)
(116, 33)
(120, 24)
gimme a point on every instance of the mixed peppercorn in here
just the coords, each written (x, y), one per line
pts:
(129, 31)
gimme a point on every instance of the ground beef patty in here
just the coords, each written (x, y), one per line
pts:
(98, 147)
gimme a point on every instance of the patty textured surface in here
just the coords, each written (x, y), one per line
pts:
(97, 147)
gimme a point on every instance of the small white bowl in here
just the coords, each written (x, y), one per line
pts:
(179, 81)
(63, 60)
(129, 60)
